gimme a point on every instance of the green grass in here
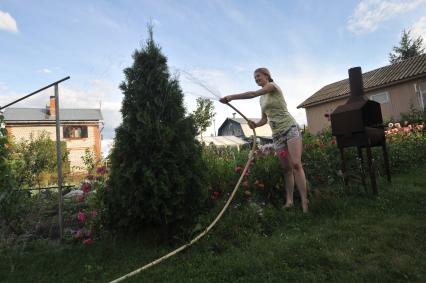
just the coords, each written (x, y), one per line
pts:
(348, 237)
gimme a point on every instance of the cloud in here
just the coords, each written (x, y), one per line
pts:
(370, 13)
(419, 28)
(45, 71)
(7, 22)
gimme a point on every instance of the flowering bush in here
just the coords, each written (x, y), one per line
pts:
(88, 206)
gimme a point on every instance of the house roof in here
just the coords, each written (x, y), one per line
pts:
(411, 68)
(42, 115)
(264, 131)
(223, 141)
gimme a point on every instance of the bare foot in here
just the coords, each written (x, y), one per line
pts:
(305, 206)
(288, 205)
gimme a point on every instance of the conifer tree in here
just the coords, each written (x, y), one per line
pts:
(407, 48)
(157, 173)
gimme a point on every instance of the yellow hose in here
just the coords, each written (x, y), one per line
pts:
(193, 241)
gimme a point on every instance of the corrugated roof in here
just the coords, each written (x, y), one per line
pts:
(392, 74)
(221, 141)
(264, 131)
(41, 114)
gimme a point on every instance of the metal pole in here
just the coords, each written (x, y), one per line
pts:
(59, 160)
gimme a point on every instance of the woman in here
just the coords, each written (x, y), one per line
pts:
(285, 132)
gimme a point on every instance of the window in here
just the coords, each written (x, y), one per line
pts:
(75, 132)
(382, 97)
(422, 94)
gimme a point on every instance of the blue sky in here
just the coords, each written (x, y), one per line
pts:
(305, 44)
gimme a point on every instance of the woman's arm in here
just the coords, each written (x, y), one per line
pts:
(249, 94)
(262, 122)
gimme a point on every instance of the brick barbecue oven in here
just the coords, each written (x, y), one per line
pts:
(359, 123)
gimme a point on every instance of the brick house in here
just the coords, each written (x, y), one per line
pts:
(80, 128)
(396, 87)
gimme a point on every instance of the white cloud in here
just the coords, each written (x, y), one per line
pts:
(370, 13)
(419, 28)
(45, 71)
(7, 22)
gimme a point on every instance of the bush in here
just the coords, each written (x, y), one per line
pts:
(34, 161)
(12, 201)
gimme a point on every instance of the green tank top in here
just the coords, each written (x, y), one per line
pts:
(275, 108)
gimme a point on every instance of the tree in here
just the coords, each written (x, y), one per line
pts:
(407, 48)
(157, 173)
(203, 115)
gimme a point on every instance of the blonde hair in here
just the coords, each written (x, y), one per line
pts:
(264, 71)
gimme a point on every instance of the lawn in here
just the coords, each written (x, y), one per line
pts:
(347, 237)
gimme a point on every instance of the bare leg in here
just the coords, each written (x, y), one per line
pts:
(289, 180)
(295, 154)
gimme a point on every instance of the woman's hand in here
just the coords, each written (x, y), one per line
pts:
(225, 99)
(252, 124)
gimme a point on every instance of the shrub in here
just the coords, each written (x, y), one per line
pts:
(156, 179)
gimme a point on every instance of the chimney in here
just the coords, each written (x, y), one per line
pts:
(233, 115)
(356, 84)
(52, 107)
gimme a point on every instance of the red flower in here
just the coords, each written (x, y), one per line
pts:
(94, 213)
(333, 142)
(238, 169)
(80, 198)
(81, 217)
(85, 187)
(215, 195)
(88, 242)
(283, 153)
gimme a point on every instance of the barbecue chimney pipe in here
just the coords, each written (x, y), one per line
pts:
(356, 84)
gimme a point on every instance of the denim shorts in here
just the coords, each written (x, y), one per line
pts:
(280, 139)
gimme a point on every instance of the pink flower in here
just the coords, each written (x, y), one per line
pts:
(85, 187)
(101, 170)
(238, 169)
(88, 242)
(94, 213)
(283, 153)
(79, 233)
(215, 195)
(81, 217)
(80, 198)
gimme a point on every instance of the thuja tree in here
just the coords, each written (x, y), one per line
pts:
(156, 178)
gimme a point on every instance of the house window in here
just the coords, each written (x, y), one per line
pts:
(382, 97)
(422, 93)
(75, 132)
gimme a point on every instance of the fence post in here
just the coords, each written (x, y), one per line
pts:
(59, 161)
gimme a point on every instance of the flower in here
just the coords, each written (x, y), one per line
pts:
(88, 241)
(238, 169)
(283, 153)
(80, 198)
(85, 187)
(101, 170)
(247, 193)
(398, 125)
(81, 217)
(215, 195)
(89, 177)
(390, 125)
(79, 233)
(245, 184)
(94, 213)
(259, 184)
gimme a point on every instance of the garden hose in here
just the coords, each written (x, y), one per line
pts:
(193, 241)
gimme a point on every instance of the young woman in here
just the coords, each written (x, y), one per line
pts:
(285, 132)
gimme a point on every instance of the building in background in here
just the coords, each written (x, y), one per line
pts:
(80, 128)
(396, 87)
(239, 127)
